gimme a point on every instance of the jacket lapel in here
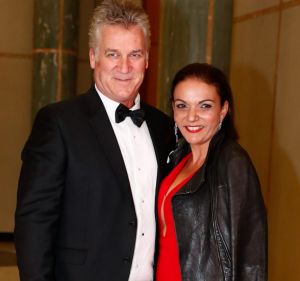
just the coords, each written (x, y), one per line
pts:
(107, 139)
(153, 127)
(199, 178)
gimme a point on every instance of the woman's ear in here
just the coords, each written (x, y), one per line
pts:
(224, 110)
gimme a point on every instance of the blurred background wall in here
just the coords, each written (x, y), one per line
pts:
(264, 70)
(265, 76)
(15, 95)
(16, 87)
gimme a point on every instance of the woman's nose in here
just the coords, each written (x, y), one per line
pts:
(193, 114)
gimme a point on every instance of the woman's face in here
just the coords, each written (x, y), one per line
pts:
(198, 111)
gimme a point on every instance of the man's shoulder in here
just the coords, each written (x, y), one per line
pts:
(70, 106)
(155, 112)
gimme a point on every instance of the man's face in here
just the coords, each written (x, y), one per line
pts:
(119, 62)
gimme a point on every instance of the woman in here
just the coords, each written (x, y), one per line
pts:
(212, 220)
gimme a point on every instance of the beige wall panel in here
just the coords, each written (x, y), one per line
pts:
(284, 198)
(242, 7)
(252, 72)
(84, 75)
(85, 12)
(15, 95)
(16, 26)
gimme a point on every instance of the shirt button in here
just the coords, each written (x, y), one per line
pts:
(132, 223)
(126, 259)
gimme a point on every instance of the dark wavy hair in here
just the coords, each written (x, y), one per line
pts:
(211, 76)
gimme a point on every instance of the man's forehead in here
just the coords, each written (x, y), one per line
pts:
(115, 29)
(106, 50)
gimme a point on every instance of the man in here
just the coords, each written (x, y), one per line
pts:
(87, 187)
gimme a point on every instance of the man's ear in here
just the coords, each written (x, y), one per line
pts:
(92, 57)
(147, 60)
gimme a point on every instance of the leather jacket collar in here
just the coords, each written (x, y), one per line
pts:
(198, 179)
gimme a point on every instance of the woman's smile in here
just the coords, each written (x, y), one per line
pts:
(194, 129)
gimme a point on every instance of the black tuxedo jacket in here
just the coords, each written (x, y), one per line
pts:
(75, 217)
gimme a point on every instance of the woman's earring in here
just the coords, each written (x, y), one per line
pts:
(220, 125)
(176, 132)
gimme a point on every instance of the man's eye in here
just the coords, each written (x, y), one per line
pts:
(112, 55)
(136, 55)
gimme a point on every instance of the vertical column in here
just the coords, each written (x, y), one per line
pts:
(192, 31)
(149, 86)
(54, 51)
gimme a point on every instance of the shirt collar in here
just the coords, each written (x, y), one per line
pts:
(111, 105)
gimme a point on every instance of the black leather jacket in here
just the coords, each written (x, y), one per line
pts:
(220, 218)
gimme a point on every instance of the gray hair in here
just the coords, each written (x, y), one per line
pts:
(118, 12)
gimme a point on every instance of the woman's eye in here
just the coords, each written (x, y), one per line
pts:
(180, 105)
(206, 106)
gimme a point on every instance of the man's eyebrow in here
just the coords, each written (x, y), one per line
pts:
(137, 51)
(110, 50)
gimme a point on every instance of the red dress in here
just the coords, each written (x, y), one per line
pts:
(168, 267)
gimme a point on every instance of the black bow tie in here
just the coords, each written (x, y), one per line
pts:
(137, 116)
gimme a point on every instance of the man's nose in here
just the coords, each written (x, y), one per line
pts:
(124, 65)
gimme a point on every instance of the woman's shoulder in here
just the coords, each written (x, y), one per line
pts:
(231, 149)
(234, 160)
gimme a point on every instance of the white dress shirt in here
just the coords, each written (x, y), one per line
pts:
(139, 157)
